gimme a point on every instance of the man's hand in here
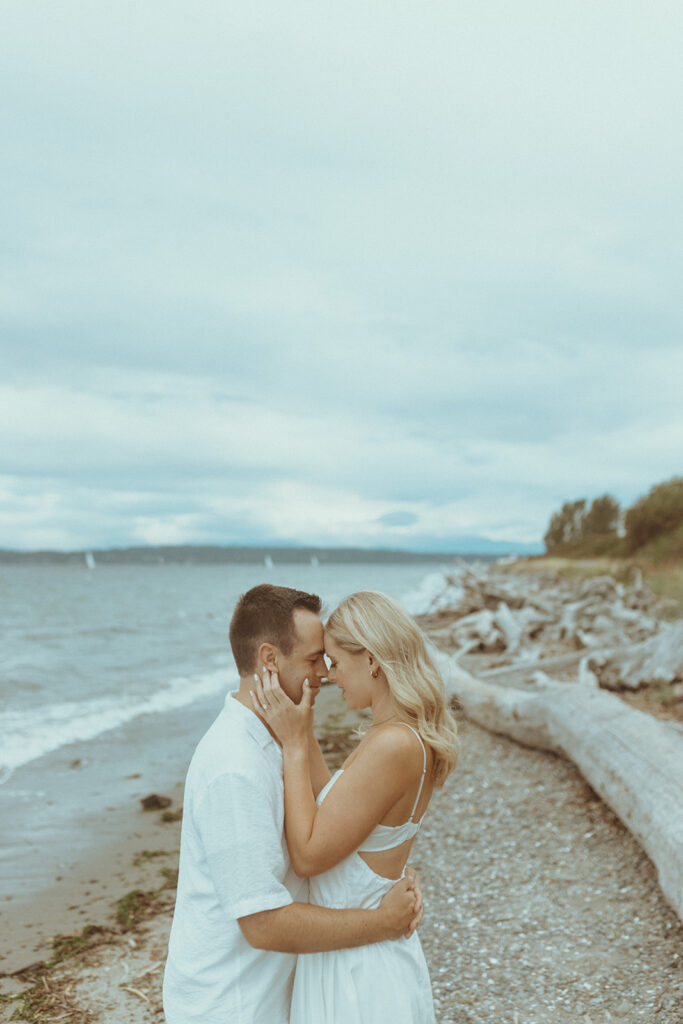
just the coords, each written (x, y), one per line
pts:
(398, 908)
(412, 874)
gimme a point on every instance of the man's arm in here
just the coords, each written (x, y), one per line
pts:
(413, 876)
(304, 928)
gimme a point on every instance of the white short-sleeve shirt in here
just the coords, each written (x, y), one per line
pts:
(233, 862)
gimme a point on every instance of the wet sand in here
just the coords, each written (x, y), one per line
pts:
(66, 864)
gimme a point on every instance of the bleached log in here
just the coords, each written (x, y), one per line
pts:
(480, 627)
(509, 626)
(583, 639)
(568, 618)
(602, 587)
(630, 615)
(586, 677)
(513, 712)
(641, 597)
(632, 760)
(656, 660)
(523, 668)
(603, 623)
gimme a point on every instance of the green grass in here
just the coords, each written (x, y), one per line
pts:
(667, 584)
(131, 907)
(146, 855)
(577, 568)
(66, 946)
(665, 581)
(665, 550)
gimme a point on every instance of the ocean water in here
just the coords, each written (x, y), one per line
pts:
(86, 651)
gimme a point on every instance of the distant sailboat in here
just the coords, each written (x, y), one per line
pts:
(315, 561)
(90, 560)
(268, 562)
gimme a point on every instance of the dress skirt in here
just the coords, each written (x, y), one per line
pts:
(383, 983)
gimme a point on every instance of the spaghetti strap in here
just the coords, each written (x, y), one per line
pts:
(424, 768)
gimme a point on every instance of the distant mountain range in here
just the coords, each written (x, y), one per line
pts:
(259, 554)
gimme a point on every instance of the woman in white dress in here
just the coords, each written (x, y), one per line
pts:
(354, 840)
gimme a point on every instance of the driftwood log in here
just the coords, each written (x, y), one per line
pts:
(657, 660)
(632, 760)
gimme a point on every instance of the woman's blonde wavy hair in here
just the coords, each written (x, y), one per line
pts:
(371, 621)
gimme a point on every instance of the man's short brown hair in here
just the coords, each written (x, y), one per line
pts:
(265, 614)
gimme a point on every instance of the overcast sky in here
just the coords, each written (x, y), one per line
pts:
(383, 273)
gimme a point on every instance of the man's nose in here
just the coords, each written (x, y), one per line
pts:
(321, 668)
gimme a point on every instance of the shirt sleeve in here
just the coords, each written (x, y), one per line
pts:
(242, 840)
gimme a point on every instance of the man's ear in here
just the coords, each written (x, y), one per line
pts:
(267, 655)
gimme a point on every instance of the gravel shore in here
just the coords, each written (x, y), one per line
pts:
(540, 909)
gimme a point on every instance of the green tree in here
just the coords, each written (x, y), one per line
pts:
(659, 511)
(602, 517)
(566, 526)
(555, 533)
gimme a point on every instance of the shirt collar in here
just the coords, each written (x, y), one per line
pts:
(250, 722)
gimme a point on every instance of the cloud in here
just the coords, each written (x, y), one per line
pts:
(364, 275)
(398, 519)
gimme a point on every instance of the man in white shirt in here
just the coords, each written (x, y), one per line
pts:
(241, 913)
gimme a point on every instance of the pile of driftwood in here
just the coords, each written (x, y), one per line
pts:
(540, 620)
(657, 660)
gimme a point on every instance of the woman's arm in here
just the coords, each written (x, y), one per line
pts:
(318, 770)
(292, 724)
(319, 838)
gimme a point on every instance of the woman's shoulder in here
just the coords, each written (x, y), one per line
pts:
(395, 741)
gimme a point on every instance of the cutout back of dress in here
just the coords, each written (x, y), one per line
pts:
(386, 837)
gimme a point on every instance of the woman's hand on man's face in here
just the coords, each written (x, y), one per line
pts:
(289, 721)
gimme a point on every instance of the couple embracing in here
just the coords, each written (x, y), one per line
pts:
(295, 905)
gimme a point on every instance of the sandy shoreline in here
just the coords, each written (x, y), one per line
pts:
(117, 861)
(77, 829)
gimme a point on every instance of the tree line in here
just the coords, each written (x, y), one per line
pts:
(603, 527)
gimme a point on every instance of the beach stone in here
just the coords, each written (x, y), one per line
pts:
(154, 802)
